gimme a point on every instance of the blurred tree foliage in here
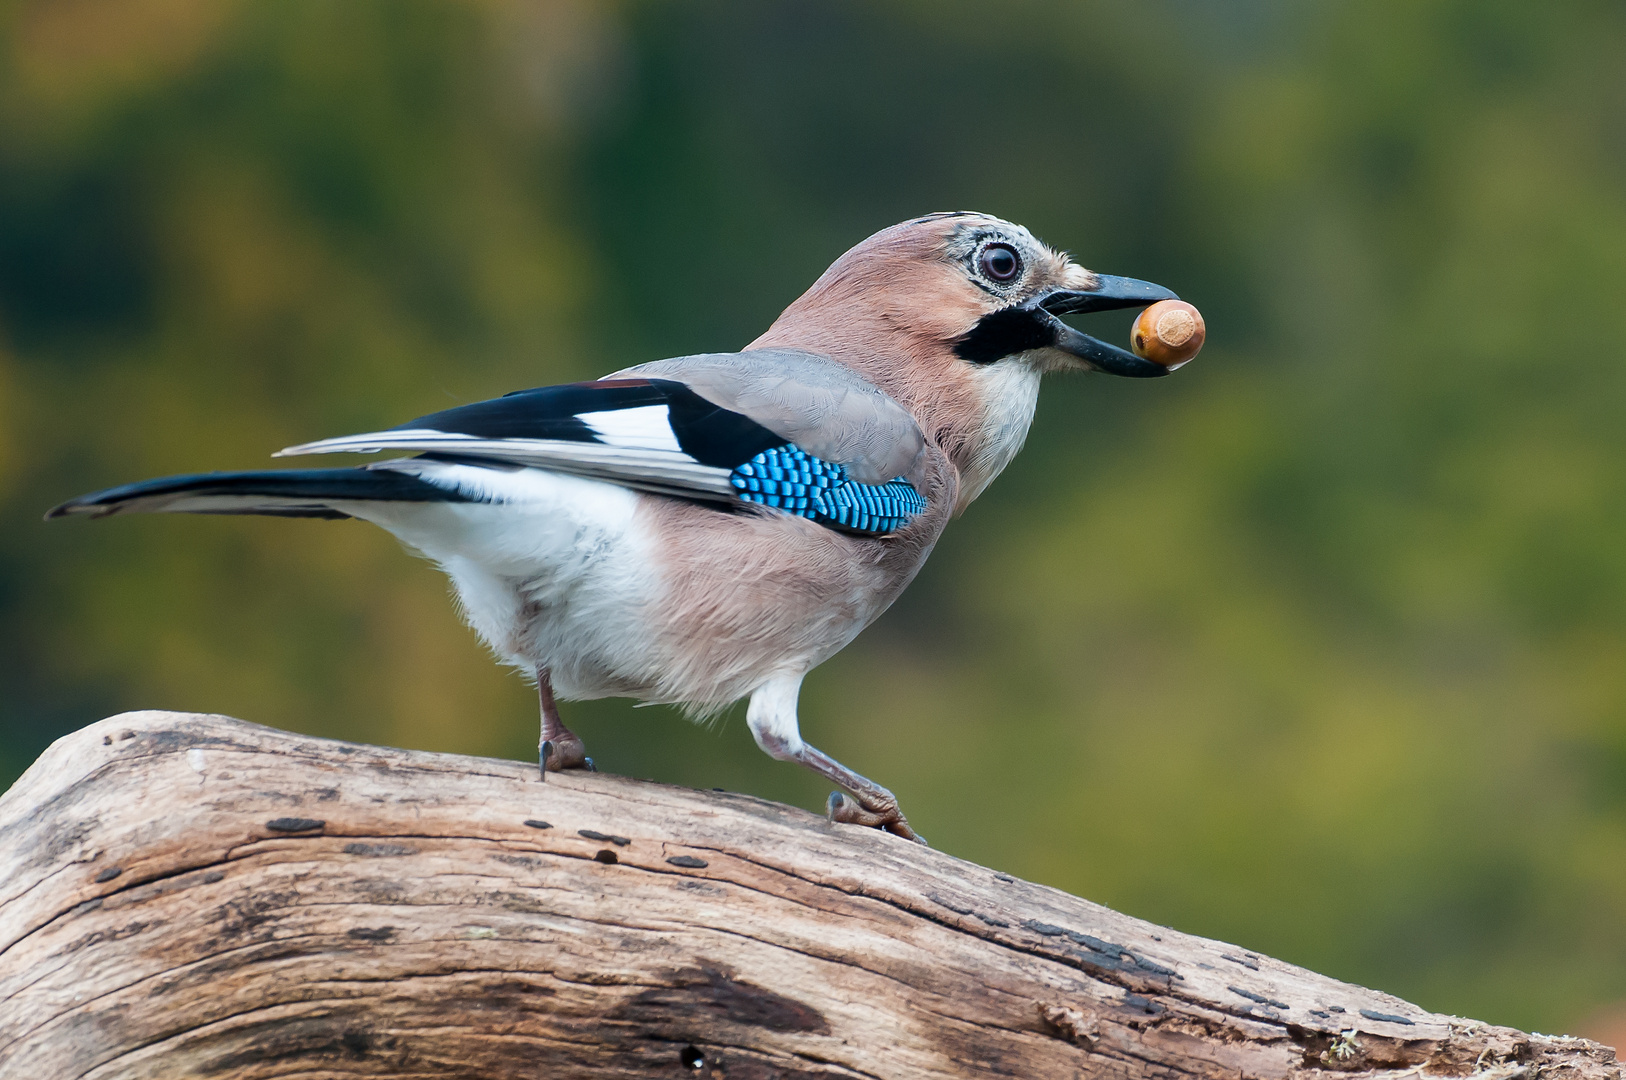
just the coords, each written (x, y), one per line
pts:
(1319, 647)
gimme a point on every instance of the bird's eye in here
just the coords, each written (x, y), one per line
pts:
(999, 262)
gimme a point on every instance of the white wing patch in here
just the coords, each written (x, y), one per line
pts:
(647, 427)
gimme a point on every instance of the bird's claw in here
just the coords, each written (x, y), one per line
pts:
(841, 807)
(557, 755)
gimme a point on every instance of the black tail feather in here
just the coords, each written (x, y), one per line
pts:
(276, 492)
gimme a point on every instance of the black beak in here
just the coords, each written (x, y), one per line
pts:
(1109, 294)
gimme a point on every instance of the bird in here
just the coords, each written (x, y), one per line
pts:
(701, 529)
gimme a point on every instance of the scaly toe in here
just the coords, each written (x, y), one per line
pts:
(848, 811)
(561, 754)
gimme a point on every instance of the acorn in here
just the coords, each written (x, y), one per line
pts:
(1170, 332)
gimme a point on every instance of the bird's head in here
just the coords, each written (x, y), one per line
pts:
(956, 315)
(968, 288)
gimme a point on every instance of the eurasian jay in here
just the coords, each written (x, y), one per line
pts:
(695, 530)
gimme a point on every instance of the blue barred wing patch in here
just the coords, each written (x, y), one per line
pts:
(799, 483)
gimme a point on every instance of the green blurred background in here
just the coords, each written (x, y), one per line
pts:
(1318, 647)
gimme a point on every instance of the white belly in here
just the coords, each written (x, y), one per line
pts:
(620, 594)
(559, 573)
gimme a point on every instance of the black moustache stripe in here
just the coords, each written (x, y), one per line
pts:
(1001, 333)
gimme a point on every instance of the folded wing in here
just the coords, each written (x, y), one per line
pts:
(781, 428)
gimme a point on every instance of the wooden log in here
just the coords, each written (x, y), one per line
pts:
(186, 895)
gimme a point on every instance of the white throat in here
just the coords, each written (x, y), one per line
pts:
(1009, 390)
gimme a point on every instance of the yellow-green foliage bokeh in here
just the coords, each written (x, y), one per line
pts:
(1319, 646)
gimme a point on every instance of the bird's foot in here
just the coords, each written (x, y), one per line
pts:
(564, 752)
(878, 810)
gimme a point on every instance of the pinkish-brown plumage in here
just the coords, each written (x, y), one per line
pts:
(892, 309)
(614, 547)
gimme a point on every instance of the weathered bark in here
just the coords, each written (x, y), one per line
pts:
(195, 896)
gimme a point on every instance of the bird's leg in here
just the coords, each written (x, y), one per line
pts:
(772, 719)
(560, 748)
(870, 803)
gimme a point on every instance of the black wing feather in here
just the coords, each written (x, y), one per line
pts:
(707, 433)
(713, 435)
(546, 412)
(296, 486)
